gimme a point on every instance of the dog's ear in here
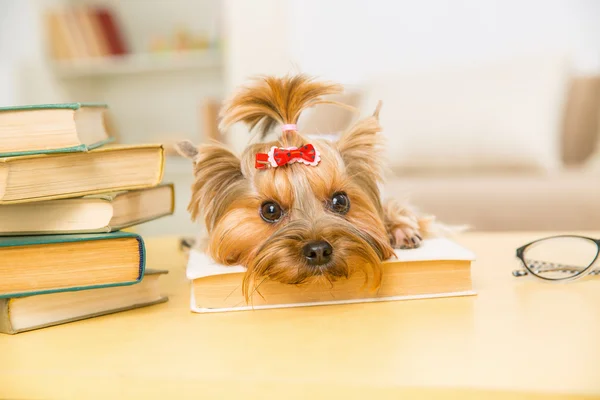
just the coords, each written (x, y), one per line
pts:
(218, 182)
(361, 148)
(186, 149)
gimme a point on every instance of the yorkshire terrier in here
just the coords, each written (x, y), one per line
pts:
(294, 210)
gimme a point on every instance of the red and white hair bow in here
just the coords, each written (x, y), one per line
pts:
(278, 156)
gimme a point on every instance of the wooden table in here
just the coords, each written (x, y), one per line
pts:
(518, 338)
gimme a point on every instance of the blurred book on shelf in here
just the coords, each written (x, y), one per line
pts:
(84, 32)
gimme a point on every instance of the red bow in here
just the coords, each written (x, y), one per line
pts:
(279, 156)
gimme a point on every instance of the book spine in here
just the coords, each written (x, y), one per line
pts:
(111, 31)
(65, 36)
(77, 35)
(100, 37)
(87, 31)
(57, 44)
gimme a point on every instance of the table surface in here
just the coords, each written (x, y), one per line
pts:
(517, 338)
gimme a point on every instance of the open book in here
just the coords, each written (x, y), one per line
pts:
(439, 268)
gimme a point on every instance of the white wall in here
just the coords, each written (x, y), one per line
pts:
(257, 43)
(353, 39)
(18, 42)
(350, 41)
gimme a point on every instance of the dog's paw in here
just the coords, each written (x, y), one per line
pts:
(405, 229)
(405, 237)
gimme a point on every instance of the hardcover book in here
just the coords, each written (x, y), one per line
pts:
(45, 264)
(52, 128)
(439, 268)
(106, 169)
(22, 314)
(95, 213)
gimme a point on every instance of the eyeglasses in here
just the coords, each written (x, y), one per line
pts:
(560, 258)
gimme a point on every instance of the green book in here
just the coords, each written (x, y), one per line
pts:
(22, 314)
(52, 128)
(31, 265)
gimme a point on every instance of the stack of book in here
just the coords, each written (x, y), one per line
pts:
(65, 194)
(84, 32)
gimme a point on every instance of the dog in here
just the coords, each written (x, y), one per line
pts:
(294, 210)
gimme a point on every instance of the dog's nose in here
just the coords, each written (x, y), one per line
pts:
(317, 253)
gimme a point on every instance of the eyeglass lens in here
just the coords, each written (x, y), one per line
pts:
(560, 257)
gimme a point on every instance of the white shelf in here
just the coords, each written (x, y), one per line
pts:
(138, 64)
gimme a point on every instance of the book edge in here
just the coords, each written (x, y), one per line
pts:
(163, 299)
(97, 149)
(138, 222)
(53, 239)
(69, 289)
(105, 229)
(57, 106)
(78, 194)
(73, 149)
(82, 148)
(141, 267)
(194, 308)
(107, 197)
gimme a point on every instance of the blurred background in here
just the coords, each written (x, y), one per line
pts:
(491, 108)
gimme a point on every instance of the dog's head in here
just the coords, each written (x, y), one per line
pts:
(294, 222)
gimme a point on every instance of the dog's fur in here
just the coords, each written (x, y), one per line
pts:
(228, 192)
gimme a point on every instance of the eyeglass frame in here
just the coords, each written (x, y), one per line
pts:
(589, 269)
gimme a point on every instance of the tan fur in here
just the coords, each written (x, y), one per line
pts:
(228, 192)
(270, 100)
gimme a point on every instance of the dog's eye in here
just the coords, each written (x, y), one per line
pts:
(340, 203)
(270, 211)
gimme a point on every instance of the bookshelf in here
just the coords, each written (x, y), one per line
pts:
(142, 63)
(155, 94)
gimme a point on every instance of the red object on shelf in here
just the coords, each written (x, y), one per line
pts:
(112, 32)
